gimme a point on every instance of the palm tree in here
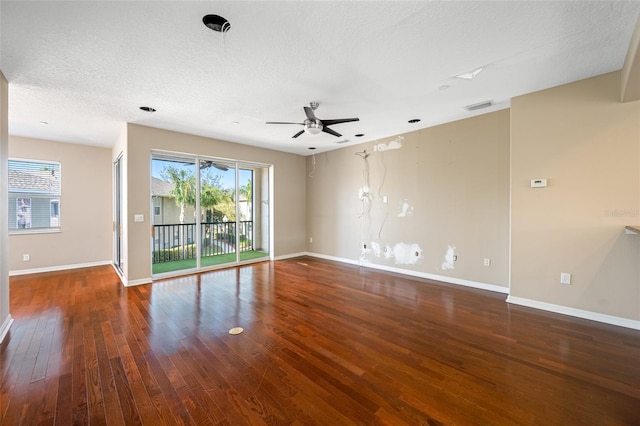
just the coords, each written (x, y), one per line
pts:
(246, 191)
(184, 187)
(227, 204)
(184, 192)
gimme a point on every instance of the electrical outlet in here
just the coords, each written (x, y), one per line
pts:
(26, 257)
(310, 239)
(487, 262)
(565, 278)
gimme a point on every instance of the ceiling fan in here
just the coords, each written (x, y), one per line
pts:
(313, 125)
(208, 163)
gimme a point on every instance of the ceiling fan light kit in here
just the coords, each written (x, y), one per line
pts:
(313, 125)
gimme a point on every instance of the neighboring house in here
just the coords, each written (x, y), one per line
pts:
(166, 211)
(31, 204)
(244, 208)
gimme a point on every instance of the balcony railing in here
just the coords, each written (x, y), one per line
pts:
(178, 241)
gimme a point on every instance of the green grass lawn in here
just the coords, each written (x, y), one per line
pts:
(176, 265)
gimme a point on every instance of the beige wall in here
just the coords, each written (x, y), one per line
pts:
(4, 224)
(587, 144)
(454, 178)
(85, 207)
(289, 197)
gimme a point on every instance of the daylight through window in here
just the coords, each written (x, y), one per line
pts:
(34, 195)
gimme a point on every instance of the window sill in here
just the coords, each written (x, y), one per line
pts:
(632, 229)
(34, 231)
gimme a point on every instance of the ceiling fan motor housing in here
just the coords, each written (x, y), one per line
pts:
(312, 127)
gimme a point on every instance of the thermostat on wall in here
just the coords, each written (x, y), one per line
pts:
(538, 183)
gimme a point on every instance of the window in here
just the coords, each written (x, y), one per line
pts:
(55, 213)
(156, 210)
(34, 195)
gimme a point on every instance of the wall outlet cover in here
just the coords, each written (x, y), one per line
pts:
(539, 183)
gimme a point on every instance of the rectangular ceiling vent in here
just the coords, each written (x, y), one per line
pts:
(479, 105)
(343, 141)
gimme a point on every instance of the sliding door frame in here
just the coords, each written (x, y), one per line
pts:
(237, 165)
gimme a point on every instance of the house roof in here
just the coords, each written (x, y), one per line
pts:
(86, 67)
(160, 188)
(41, 181)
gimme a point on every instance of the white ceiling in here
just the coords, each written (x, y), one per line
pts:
(86, 67)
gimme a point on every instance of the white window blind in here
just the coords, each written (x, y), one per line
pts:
(34, 194)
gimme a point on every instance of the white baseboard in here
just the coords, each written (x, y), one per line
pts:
(132, 283)
(6, 325)
(59, 268)
(119, 273)
(564, 310)
(289, 256)
(443, 278)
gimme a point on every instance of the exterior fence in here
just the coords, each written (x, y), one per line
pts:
(178, 241)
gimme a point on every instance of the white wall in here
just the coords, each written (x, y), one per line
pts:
(5, 318)
(85, 236)
(447, 193)
(586, 143)
(289, 189)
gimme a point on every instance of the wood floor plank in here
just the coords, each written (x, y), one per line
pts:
(127, 399)
(323, 343)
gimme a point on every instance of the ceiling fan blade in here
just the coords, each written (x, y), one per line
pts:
(298, 134)
(220, 166)
(283, 122)
(331, 132)
(310, 115)
(338, 121)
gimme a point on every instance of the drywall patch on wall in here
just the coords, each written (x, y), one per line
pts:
(376, 248)
(388, 252)
(364, 194)
(394, 144)
(365, 251)
(406, 254)
(406, 209)
(449, 259)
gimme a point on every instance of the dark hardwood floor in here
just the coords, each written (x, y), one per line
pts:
(323, 343)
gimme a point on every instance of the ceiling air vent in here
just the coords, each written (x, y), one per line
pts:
(479, 105)
(344, 141)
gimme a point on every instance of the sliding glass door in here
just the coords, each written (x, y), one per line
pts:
(173, 196)
(118, 255)
(254, 213)
(218, 213)
(207, 216)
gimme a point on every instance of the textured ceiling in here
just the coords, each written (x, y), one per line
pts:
(85, 67)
